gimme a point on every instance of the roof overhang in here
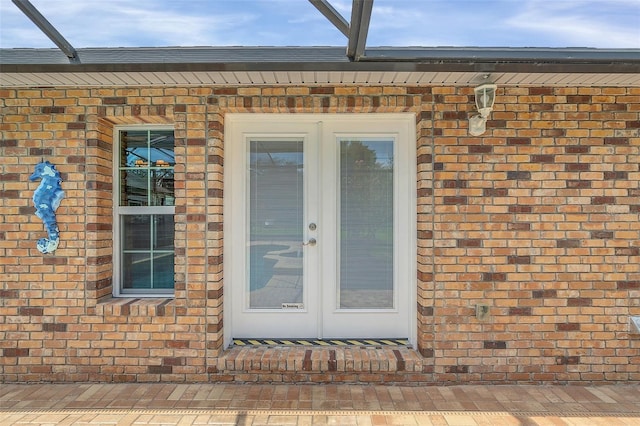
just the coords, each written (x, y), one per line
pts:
(319, 65)
(312, 65)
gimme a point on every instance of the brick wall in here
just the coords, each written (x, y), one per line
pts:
(539, 219)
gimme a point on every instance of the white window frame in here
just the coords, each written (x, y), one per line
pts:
(119, 211)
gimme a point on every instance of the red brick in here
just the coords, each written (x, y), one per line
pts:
(536, 207)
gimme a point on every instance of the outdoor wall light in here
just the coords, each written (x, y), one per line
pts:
(485, 96)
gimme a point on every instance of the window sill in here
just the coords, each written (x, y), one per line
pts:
(139, 307)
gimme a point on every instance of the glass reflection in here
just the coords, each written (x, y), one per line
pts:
(366, 224)
(147, 161)
(134, 148)
(136, 271)
(161, 145)
(275, 224)
(134, 185)
(136, 232)
(162, 189)
(163, 270)
(147, 251)
(163, 232)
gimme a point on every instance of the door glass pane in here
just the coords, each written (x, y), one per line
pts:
(275, 224)
(366, 224)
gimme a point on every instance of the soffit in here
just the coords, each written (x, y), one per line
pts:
(216, 78)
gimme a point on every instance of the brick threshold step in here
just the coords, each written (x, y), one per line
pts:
(319, 359)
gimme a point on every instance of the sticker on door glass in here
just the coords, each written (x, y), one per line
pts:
(292, 306)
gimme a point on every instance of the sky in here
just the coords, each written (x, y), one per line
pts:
(426, 23)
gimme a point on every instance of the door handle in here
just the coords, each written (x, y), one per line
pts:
(311, 242)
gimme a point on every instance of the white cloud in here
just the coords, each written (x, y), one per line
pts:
(140, 23)
(112, 23)
(429, 23)
(582, 23)
(506, 23)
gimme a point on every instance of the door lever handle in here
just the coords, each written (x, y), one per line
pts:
(311, 242)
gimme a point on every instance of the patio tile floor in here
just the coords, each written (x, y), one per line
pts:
(335, 404)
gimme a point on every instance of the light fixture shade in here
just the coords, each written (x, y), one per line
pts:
(485, 96)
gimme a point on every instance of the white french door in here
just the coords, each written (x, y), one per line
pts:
(319, 225)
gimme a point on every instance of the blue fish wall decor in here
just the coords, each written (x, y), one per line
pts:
(47, 198)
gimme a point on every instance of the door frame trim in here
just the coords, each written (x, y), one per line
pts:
(408, 118)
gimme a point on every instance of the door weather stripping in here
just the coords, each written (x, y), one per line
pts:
(50, 31)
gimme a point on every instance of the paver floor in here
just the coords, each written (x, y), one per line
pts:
(232, 404)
